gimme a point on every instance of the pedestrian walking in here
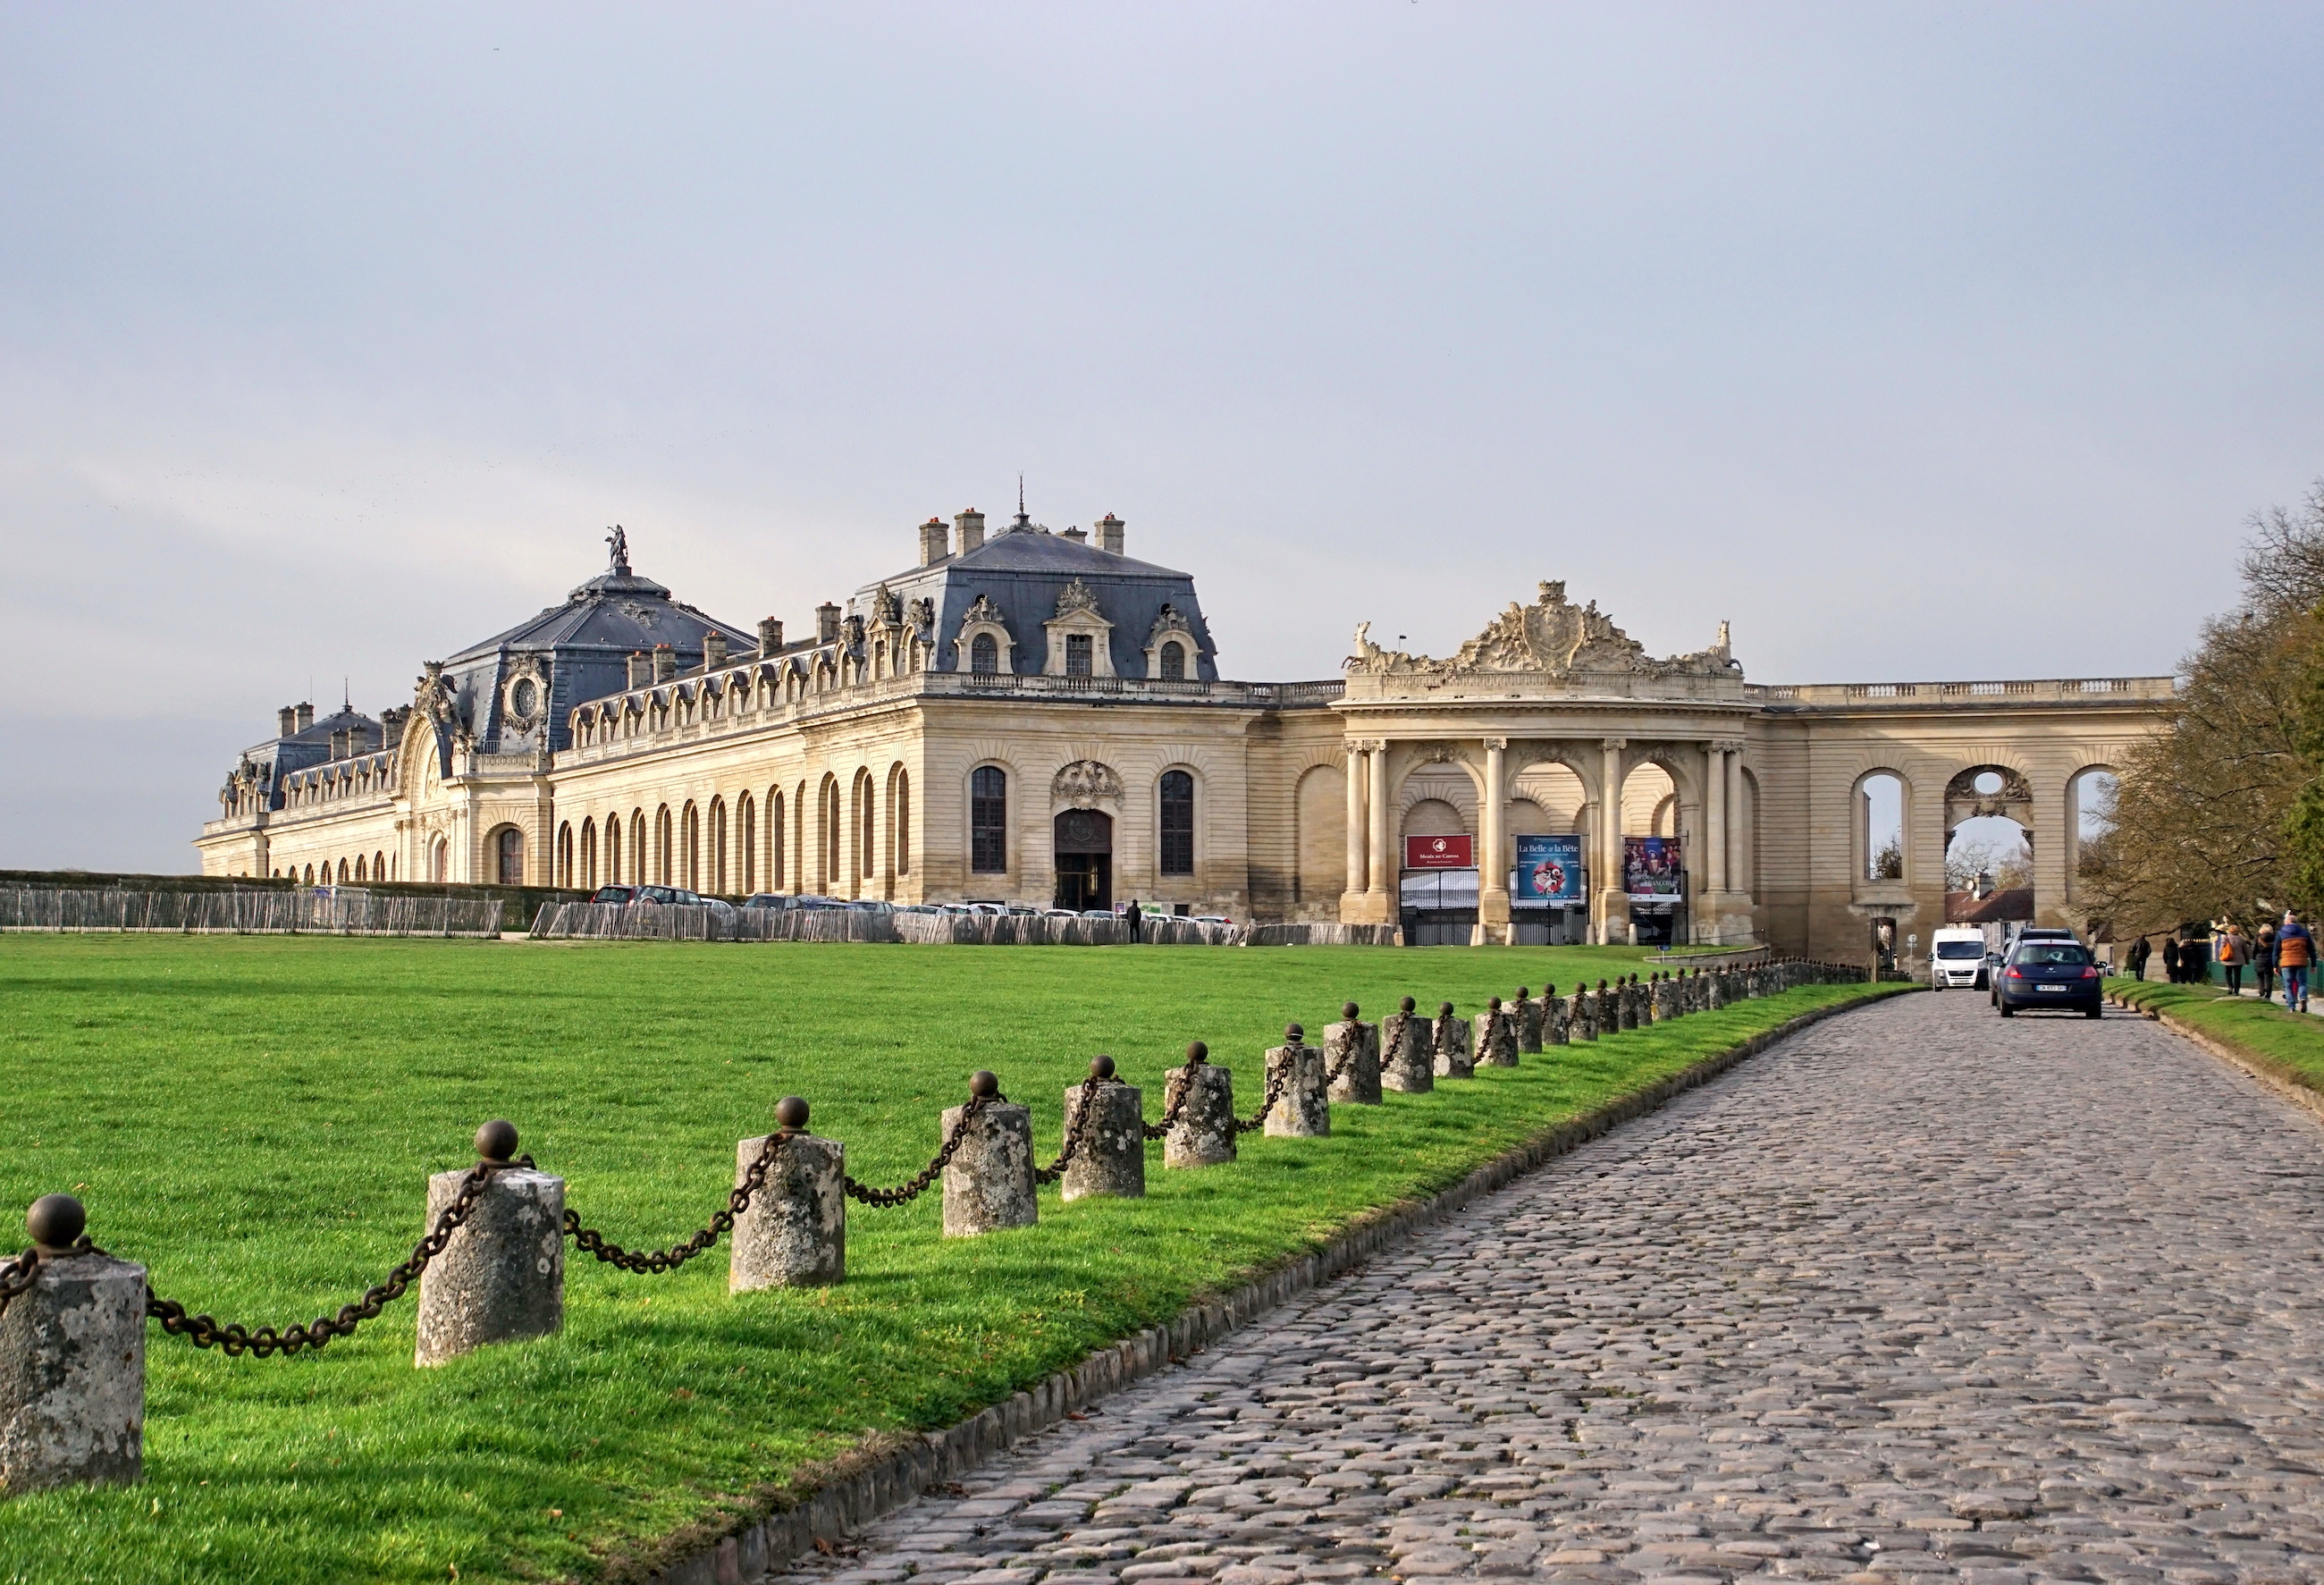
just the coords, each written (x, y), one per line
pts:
(2171, 959)
(2140, 951)
(2263, 962)
(1133, 916)
(2234, 953)
(2195, 960)
(2295, 951)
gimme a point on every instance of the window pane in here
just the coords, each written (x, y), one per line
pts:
(1077, 654)
(984, 654)
(1174, 663)
(1178, 823)
(988, 821)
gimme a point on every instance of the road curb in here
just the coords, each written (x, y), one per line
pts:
(2299, 1094)
(876, 1479)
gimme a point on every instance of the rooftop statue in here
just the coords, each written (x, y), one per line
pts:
(1552, 637)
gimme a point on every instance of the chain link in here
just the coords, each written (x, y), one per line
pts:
(18, 1276)
(1075, 1127)
(656, 1261)
(1174, 1104)
(1276, 1081)
(904, 1194)
(205, 1332)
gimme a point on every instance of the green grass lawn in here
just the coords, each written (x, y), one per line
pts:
(253, 1118)
(2287, 1044)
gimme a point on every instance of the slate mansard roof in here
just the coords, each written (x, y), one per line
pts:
(1023, 568)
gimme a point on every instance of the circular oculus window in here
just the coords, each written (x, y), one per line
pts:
(523, 697)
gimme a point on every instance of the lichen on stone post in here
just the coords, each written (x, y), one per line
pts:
(1204, 1098)
(1351, 1050)
(1557, 1018)
(1531, 1016)
(793, 1232)
(988, 1183)
(72, 1363)
(1450, 1046)
(1406, 1063)
(501, 1277)
(1497, 1040)
(1295, 1073)
(1110, 1161)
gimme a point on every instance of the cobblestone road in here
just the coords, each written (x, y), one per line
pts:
(1917, 1295)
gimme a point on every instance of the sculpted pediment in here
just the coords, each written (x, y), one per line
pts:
(1552, 637)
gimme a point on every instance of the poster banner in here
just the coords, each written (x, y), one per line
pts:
(1440, 853)
(1651, 871)
(1549, 868)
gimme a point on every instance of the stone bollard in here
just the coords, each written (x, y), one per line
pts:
(988, 1183)
(1714, 990)
(1497, 1036)
(1608, 1010)
(793, 1232)
(1110, 1162)
(1203, 1097)
(1626, 1004)
(72, 1363)
(1351, 1050)
(1294, 1072)
(1665, 1000)
(1407, 1064)
(1531, 1015)
(1556, 1022)
(502, 1277)
(1449, 1045)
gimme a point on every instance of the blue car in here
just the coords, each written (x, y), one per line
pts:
(2049, 974)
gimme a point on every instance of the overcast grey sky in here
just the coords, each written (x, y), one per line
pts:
(1918, 341)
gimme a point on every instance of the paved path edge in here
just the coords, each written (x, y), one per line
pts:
(2252, 1063)
(878, 1477)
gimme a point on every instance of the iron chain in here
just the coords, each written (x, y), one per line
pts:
(1174, 1104)
(904, 1194)
(654, 1262)
(18, 1274)
(205, 1332)
(1075, 1126)
(1276, 1081)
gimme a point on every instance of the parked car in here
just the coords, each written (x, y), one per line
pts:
(614, 894)
(2049, 972)
(1097, 913)
(1059, 914)
(1211, 920)
(812, 901)
(871, 905)
(921, 908)
(773, 902)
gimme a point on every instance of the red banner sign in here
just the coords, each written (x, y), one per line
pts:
(1440, 853)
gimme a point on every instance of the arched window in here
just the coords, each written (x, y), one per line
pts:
(899, 810)
(988, 821)
(1177, 820)
(1880, 824)
(565, 853)
(360, 872)
(984, 655)
(867, 826)
(379, 866)
(511, 868)
(589, 854)
(311, 874)
(746, 844)
(343, 871)
(1174, 662)
(775, 834)
(662, 844)
(1079, 652)
(637, 847)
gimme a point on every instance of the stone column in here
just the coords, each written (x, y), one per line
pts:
(1381, 880)
(1351, 1058)
(1110, 1159)
(1294, 1072)
(1492, 863)
(988, 1183)
(1714, 818)
(1352, 892)
(502, 1277)
(1613, 902)
(1203, 1096)
(72, 1364)
(793, 1232)
(1407, 1064)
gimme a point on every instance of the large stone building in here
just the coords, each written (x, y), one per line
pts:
(1039, 717)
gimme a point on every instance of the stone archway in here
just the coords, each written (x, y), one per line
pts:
(1082, 847)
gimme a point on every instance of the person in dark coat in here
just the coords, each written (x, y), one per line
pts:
(2171, 960)
(2195, 960)
(2140, 951)
(1134, 914)
(2263, 962)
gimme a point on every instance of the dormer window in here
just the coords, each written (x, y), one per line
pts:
(984, 655)
(1078, 652)
(1174, 662)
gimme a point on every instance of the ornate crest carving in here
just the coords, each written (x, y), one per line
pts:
(1083, 782)
(1166, 620)
(983, 609)
(1552, 636)
(886, 607)
(924, 616)
(524, 694)
(1075, 597)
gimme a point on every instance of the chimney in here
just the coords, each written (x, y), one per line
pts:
(1077, 533)
(306, 717)
(714, 649)
(933, 546)
(640, 669)
(826, 623)
(339, 743)
(286, 721)
(770, 636)
(1109, 533)
(665, 663)
(972, 529)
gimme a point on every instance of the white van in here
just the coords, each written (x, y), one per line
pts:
(1956, 957)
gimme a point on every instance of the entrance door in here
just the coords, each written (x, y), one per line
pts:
(1084, 843)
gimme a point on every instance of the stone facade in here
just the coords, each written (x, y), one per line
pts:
(1038, 718)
